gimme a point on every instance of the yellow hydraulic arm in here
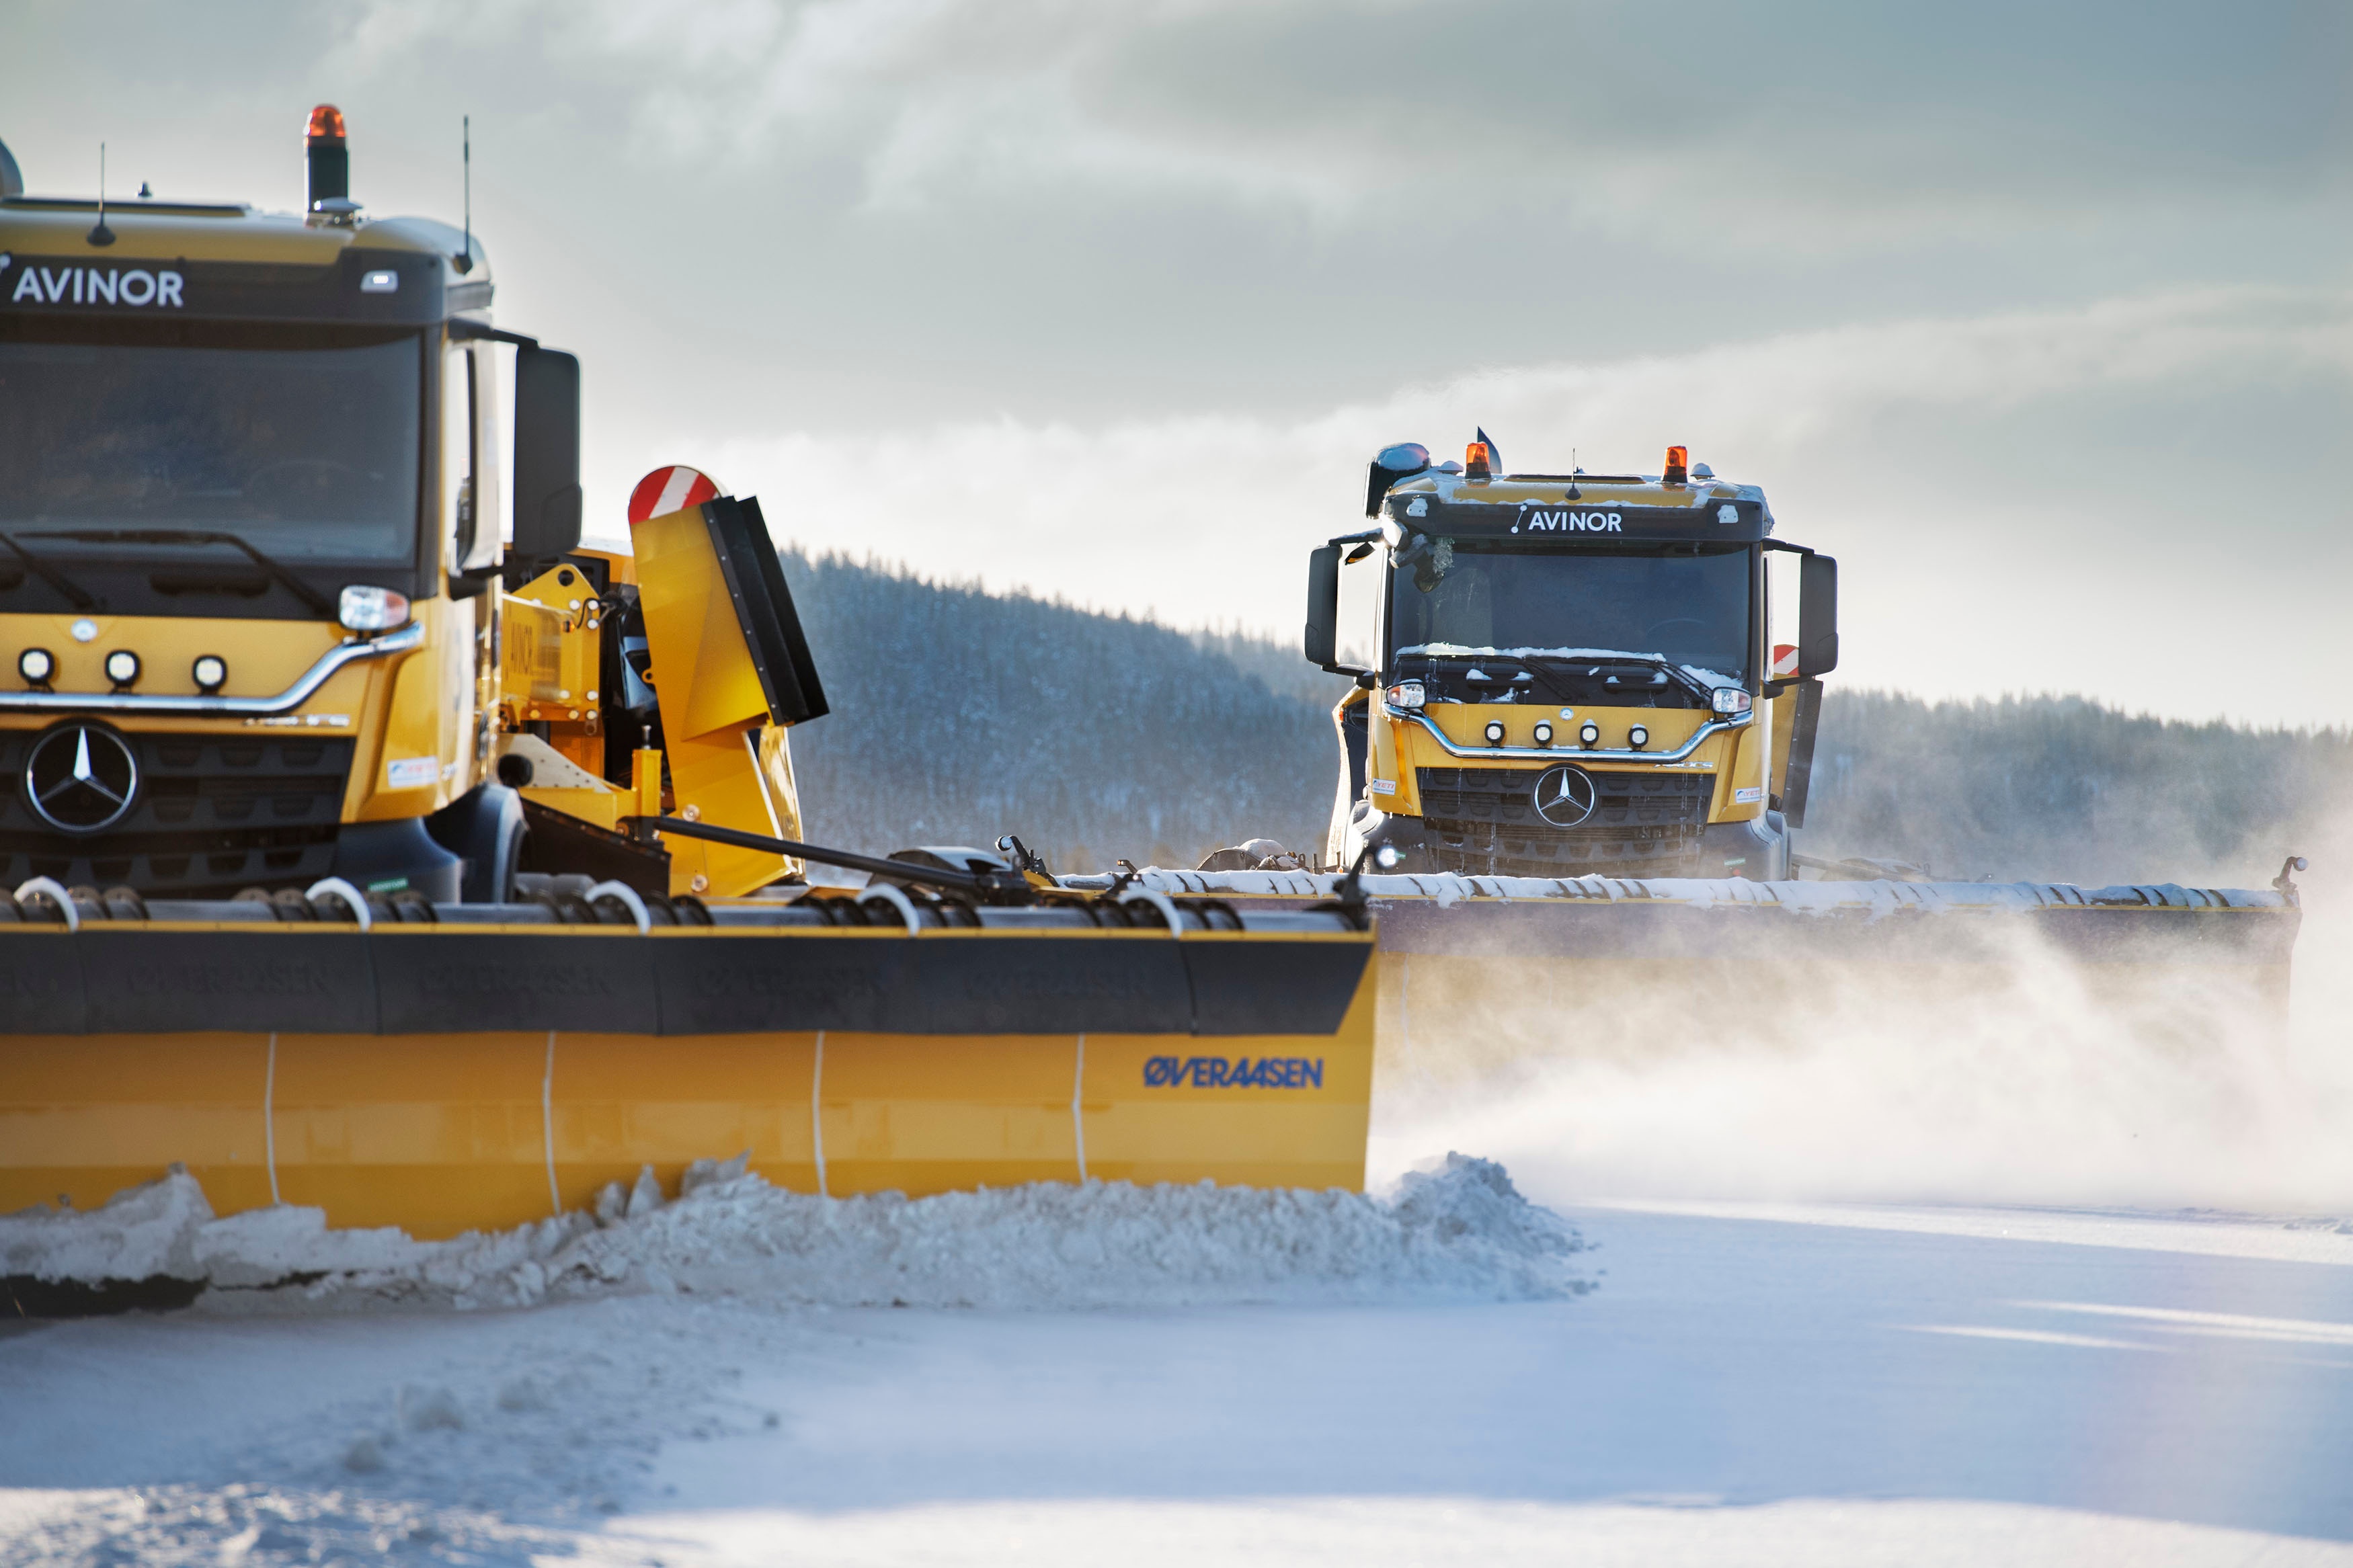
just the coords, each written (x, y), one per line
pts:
(730, 670)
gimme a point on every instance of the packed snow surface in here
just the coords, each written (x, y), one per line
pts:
(1460, 1231)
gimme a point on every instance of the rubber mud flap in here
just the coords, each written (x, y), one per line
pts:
(2113, 935)
(937, 984)
(297, 980)
(1264, 987)
(1044, 986)
(41, 980)
(443, 980)
(27, 1297)
(728, 984)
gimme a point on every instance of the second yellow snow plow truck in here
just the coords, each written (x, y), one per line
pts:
(1575, 752)
(1565, 674)
(364, 852)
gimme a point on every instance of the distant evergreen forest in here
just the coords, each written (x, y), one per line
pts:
(959, 715)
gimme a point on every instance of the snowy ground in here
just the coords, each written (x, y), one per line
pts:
(1829, 1383)
(1853, 1361)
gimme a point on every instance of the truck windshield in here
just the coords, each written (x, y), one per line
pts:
(1687, 605)
(307, 449)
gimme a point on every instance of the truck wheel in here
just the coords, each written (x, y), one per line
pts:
(486, 828)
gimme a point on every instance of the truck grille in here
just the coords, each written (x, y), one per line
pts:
(212, 814)
(1484, 822)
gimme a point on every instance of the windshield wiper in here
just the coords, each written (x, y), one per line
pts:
(80, 597)
(1665, 672)
(293, 584)
(1545, 676)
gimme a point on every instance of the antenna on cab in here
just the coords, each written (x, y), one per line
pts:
(100, 234)
(464, 260)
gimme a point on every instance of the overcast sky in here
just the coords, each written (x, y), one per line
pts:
(2039, 316)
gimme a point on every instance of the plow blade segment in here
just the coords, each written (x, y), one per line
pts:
(1498, 968)
(461, 1076)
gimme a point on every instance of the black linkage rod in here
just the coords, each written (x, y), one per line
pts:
(936, 875)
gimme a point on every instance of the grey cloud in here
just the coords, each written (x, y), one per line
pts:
(1080, 237)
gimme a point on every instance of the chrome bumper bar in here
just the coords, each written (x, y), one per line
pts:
(1568, 753)
(411, 635)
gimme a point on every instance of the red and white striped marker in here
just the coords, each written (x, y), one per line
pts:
(1784, 660)
(665, 491)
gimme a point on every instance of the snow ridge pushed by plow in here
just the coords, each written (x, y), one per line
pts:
(1458, 1231)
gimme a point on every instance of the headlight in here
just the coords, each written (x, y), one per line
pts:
(122, 666)
(1591, 735)
(211, 672)
(1638, 737)
(1494, 731)
(1544, 733)
(1405, 694)
(1731, 699)
(370, 609)
(35, 665)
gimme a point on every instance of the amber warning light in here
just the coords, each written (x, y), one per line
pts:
(1678, 465)
(1476, 462)
(327, 161)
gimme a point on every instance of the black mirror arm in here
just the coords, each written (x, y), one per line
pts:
(466, 331)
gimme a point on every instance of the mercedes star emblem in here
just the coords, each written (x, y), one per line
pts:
(80, 778)
(1565, 796)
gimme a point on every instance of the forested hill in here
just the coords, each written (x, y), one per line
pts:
(959, 715)
(2061, 789)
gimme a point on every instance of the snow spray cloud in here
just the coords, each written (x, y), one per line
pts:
(2030, 1083)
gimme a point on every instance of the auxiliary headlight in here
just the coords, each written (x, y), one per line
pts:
(122, 666)
(1494, 731)
(1544, 733)
(36, 665)
(1590, 735)
(1731, 699)
(1405, 694)
(365, 609)
(1638, 737)
(211, 672)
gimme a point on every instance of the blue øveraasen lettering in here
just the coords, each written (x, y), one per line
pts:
(1219, 1072)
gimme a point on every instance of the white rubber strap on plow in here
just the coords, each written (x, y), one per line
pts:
(885, 893)
(1161, 901)
(628, 896)
(817, 1113)
(269, 1118)
(353, 899)
(1078, 1117)
(548, 1124)
(62, 899)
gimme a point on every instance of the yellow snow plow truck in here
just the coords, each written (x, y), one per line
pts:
(369, 845)
(1579, 739)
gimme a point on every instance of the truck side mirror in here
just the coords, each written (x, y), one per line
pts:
(1322, 642)
(1817, 640)
(546, 456)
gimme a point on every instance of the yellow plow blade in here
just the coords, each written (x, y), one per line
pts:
(450, 1076)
